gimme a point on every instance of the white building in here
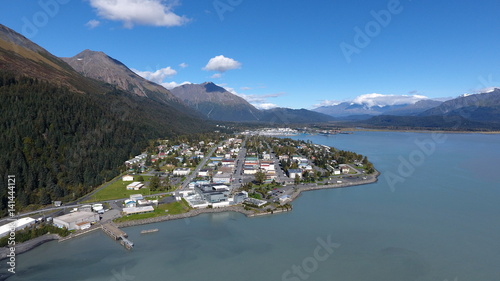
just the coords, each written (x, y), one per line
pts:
(292, 173)
(135, 186)
(128, 178)
(250, 171)
(136, 197)
(17, 225)
(76, 220)
(181, 171)
(222, 178)
(138, 210)
(284, 198)
(204, 173)
(130, 203)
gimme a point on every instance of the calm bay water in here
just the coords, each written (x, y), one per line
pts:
(439, 222)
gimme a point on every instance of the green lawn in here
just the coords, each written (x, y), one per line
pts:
(117, 190)
(163, 209)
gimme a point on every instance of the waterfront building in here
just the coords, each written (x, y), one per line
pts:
(76, 220)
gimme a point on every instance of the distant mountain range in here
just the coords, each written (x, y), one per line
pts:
(481, 107)
(217, 103)
(468, 112)
(358, 111)
(206, 100)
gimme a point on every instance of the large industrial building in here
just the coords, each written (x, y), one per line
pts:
(17, 225)
(76, 220)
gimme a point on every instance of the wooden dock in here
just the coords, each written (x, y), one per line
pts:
(114, 232)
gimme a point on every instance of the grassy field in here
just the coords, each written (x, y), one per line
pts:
(163, 209)
(117, 190)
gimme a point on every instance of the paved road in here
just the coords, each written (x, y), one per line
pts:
(194, 173)
(279, 171)
(238, 170)
(114, 204)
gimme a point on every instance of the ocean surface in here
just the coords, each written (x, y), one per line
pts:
(434, 215)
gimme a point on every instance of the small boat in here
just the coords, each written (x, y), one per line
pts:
(149, 231)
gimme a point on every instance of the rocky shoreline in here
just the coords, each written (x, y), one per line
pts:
(192, 213)
(28, 245)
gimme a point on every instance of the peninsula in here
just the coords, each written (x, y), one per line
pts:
(251, 173)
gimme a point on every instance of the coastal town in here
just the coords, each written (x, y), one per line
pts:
(253, 173)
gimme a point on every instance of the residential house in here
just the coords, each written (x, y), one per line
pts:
(344, 169)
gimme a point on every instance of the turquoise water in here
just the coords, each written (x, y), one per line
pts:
(439, 222)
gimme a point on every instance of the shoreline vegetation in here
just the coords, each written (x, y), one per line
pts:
(31, 244)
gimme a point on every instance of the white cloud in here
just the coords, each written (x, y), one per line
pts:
(140, 12)
(92, 24)
(221, 64)
(486, 90)
(216, 76)
(374, 99)
(327, 103)
(265, 105)
(183, 65)
(383, 100)
(157, 76)
(171, 85)
(245, 88)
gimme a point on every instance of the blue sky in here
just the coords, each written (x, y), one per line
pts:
(296, 54)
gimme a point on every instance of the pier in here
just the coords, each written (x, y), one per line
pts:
(114, 232)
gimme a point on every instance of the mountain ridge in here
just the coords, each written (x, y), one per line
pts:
(100, 66)
(215, 102)
(64, 134)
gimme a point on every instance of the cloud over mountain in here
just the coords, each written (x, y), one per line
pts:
(158, 76)
(139, 12)
(173, 84)
(384, 100)
(375, 99)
